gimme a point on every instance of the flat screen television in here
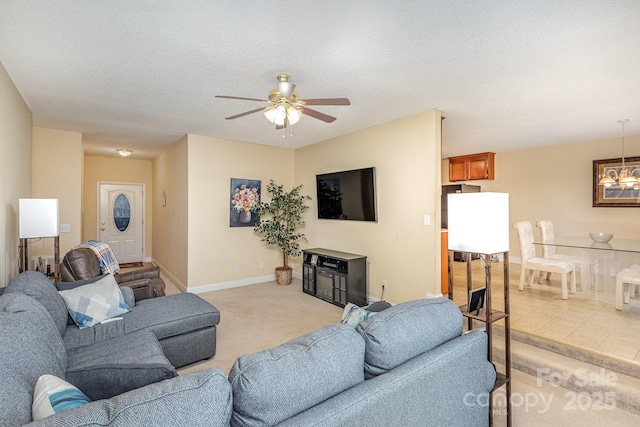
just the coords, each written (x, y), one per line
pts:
(347, 195)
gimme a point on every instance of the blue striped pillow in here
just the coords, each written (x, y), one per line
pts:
(53, 395)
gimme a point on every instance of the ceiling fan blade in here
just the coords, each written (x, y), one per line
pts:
(327, 101)
(246, 113)
(318, 115)
(240, 97)
(286, 89)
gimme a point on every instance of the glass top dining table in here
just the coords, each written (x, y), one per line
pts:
(603, 260)
(585, 242)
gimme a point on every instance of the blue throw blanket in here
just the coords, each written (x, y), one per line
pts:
(106, 258)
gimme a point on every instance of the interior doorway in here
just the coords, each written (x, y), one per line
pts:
(121, 219)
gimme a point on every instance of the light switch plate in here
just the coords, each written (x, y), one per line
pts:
(427, 220)
(65, 228)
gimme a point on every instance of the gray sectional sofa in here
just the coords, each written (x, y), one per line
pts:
(409, 365)
(145, 346)
(184, 324)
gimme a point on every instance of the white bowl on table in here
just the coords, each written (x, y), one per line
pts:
(601, 237)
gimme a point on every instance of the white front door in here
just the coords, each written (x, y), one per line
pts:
(121, 220)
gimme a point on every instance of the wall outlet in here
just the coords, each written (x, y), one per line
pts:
(384, 284)
(262, 265)
(237, 267)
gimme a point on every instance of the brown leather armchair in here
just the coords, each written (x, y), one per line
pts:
(83, 264)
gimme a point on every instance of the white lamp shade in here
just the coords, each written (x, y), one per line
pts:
(38, 218)
(478, 222)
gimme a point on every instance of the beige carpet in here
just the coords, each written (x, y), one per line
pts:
(265, 315)
(256, 317)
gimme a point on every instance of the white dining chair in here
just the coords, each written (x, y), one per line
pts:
(549, 251)
(627, 280)
(530, 263)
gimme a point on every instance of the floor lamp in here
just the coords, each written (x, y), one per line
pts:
(38, 218)
(479, 223)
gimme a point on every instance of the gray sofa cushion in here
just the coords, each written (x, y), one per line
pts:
(111, 367)
(403, 331)
(275, 384)
(75, 337)
(172, 315)
(185, 325)
(429, 390)
(39, 287)
(30, 346)
(378, 306)
(201, 398)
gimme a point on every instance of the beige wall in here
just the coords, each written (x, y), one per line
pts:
(214, 247)
(399, 247)
(555, 183)
(170, 222)
(57, 174)
(15, 171)
(116, 170)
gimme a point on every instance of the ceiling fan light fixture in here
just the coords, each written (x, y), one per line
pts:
(285, 108)
(124, 152)
(293, 115)
(276, 114)
(270, 114)
(286, 89)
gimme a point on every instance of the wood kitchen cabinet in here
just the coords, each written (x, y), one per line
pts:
(471, 167)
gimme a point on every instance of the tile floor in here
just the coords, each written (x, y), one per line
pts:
(587, 320)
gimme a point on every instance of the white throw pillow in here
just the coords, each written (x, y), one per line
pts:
(53, 395)
(90, 304)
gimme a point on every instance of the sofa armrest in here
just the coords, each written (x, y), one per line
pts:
(198, 398)
(128, 295)
(142, 273)
(141, 288)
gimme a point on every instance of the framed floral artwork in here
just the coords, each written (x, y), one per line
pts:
(245, 195)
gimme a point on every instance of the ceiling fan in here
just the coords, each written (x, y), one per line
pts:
(285, 106)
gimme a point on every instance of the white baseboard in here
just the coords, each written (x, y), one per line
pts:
(237, 283)
(231, 284)
(171, 277)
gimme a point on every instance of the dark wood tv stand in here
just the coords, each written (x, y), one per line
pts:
(336, 277)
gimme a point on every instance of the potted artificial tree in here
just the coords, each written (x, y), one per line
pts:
(284, 218)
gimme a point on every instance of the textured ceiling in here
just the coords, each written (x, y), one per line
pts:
(506, 75)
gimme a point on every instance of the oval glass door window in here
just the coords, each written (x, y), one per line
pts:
(122, 212)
